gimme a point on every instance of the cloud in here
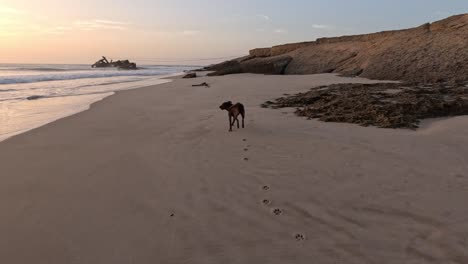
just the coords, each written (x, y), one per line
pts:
(110, 22)
(9, 10)
(8, 21)
(322, 26)
(263, 17)
(91, 25)
(57, 30)
(280, 31)
(191, 32)
(11, 22)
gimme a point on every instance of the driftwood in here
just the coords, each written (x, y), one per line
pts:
(121, 64)
(201, 84)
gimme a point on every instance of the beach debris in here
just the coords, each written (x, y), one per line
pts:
(201, 84)
(190, 75)
(121, 64)
(34, 97)
(385, 105)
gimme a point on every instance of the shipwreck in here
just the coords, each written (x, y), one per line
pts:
(120, 64)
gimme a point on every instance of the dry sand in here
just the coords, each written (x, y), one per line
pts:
(100, 187)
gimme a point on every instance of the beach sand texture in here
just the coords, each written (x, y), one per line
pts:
(153, 176)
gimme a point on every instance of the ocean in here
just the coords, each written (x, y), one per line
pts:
(62, 90)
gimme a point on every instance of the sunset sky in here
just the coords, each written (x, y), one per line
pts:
(191, 32)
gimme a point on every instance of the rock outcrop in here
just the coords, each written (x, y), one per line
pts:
(261, 52)
(268, 65)
(436, 52)
(190, 75)
(279, 50)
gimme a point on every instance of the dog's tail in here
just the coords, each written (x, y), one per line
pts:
(242, 110)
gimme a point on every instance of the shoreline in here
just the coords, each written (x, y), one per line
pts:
(84, 104)
(153, 176)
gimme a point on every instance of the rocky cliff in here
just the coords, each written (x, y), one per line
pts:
(436, 52)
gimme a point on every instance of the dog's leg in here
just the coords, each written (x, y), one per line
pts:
(237, 118)
(233, 121)
(243, 117)
(230, 123)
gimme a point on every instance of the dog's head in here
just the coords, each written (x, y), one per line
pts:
(226, 105)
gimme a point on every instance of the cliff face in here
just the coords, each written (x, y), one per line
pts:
(436, 52)
(279, 50)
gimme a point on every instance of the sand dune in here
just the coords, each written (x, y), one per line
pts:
(153, 176)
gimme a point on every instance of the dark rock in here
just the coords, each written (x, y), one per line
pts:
(34, 97)
(190, 75)
(246, 58)
(228, 64)
(270, 65)
(225, 68)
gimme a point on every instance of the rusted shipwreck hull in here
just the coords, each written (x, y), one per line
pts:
(121, 64)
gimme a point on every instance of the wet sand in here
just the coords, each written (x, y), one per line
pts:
(153, 176)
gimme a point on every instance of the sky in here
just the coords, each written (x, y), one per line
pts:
(192, 31)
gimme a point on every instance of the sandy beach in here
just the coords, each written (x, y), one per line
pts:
(152, 175)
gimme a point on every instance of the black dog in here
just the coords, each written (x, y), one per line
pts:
(234, 111)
